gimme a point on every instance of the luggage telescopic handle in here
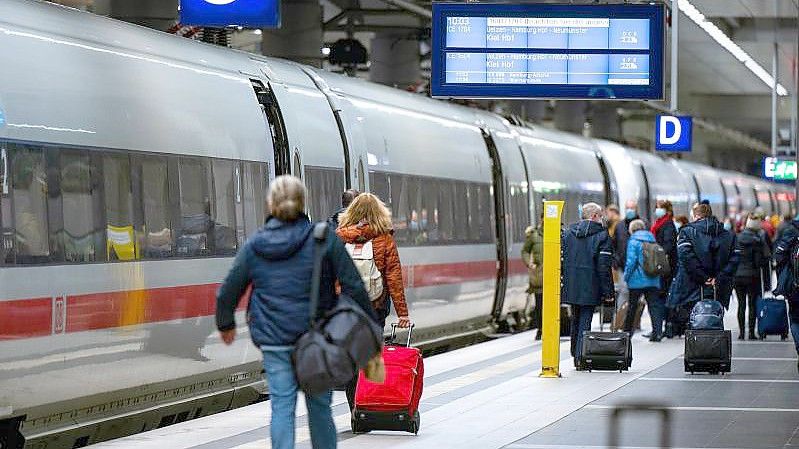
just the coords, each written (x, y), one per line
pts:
(394, 332)
(665, 413)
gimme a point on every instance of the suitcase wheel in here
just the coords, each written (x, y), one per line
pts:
(413, 425)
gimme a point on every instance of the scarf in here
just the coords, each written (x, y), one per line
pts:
(660, 222)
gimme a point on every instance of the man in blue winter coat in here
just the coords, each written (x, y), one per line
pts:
(783, 253)
(706, 261)
(587, 279)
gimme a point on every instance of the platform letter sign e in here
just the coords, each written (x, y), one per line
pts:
(673, 133)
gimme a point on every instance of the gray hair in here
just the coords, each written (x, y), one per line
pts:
(591, 209)
(637, 225)
(286, 198)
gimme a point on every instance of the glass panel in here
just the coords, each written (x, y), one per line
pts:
(378, 184)
(118, 208)
(399, 208)
(417, 223)
(223, 222)
(475, 216)
(445, 215)
(255, 183)
(6, 223)
(325, 186)
(430, 220)
(77, 199)
(461, 212)
(195, 208)
(158, 239)
(29, 193)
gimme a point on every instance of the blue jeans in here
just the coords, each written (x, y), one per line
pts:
(581, 322)
(283, 399)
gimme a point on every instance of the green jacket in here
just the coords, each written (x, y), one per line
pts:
(534, 246)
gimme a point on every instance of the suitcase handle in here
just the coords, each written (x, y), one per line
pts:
(665, 413)
(394, 333)
(702, 292)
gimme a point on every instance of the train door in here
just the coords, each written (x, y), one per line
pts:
(696, 188)
(274, 121)
(645, 211)
(608, 186)
(726, 199)
(498, 183)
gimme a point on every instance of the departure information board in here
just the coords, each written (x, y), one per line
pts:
(547, 51)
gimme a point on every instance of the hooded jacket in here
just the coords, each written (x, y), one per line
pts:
(587, 259)
(704, 250)
(387, 260)
(634, 274)
(278, 262)
(753, 254)
(783, 250)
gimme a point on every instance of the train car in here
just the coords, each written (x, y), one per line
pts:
(134, 164)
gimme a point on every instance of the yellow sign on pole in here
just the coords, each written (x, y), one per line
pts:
(550, 355)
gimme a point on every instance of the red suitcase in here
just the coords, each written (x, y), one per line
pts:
(394, 404)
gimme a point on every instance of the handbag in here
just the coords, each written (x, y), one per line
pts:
(338, 343)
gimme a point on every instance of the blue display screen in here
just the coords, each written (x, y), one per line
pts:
(223, 13)
(547, 51)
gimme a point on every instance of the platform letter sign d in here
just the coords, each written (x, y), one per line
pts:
(673, 133)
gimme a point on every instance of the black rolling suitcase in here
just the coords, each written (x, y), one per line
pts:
(606, 350)
(708, 351)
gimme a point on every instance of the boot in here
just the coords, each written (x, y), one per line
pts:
(538, 334)
(752, 335)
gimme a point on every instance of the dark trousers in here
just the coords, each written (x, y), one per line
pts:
(536, 313)
(651, 295)
(381, 313)
(581, 322)
(748, 291)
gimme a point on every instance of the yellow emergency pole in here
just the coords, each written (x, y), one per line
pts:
(550, 322)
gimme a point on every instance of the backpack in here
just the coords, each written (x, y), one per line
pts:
(656, 261)
(707, 314)
(362, 255)
(794, 265)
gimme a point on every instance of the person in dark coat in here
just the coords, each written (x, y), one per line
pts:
(278, 262)
(783, 253)
(586, 272)
(753, 252)
(347, 198)
(706, 260)
(665, 232)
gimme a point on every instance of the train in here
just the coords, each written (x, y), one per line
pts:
(134, 163)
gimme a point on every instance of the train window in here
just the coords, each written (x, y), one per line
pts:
(446, 222)
(255, 182)
(400, 208)
(461, 212)
(520, 215)
(418, 219)
(223, 221)
(325, 186)
(473, 216)
(79, 196)
(195, 208)
(378, 185)
(6, 225)
(158, 238)
(29, 196)
(120, 235)
(429, 213)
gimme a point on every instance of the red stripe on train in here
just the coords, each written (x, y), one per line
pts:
(27, 318)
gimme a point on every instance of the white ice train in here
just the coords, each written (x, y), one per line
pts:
(134, 163)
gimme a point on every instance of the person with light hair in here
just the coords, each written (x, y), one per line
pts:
(278, 263)
(587, 280)
(367, 221)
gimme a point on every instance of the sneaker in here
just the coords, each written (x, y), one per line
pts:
(538, 335)
(741, 336)
(649, 335)
(655, 338)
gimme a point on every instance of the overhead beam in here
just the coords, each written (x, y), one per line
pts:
(411, 8)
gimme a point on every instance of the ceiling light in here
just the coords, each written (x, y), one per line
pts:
(722, 39)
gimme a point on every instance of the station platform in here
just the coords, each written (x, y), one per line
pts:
(489, 396)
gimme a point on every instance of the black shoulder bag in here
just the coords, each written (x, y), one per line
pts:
(338, 343)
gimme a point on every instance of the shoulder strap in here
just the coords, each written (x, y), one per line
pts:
(319, 236)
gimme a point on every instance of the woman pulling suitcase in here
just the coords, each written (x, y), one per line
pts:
(366, 229)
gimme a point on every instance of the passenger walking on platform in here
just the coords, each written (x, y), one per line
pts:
(753, 254)
(277, 262)
(630, 214)
(368, 220)
(639, 282)
(705, 258)
(346, 199)
(665, 231)
(787, 270)
(784, 224)
(586, 272)
(533, 258)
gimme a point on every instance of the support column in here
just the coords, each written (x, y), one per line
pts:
(605, 121)
(570, 116)
(395, 58)
(300, 36)
(156, 14)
